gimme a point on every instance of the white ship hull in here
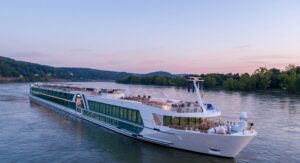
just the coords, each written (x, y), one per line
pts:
(213, 144)
(221, 145)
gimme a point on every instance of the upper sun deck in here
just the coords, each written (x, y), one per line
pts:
(75, 89)
(174, 106)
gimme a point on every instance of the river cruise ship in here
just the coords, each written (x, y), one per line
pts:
(192, 126)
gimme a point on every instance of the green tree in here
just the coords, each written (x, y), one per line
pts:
(180, 82)
(275, 80)
(147, 80)
(247, 83)
(290, 67)
(263, 77)
(297, 83)
(291, 82)
(298, 69)
(231, 84)
(134, 80)
(160, 80)
(209, 81)
(283, 80)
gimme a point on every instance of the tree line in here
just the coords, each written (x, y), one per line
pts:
(155, 80)
(261, 79)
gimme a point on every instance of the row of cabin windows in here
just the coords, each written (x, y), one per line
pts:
(116, 111)
(114, 122)
(180, 121)
(62, 102)
(63, 95)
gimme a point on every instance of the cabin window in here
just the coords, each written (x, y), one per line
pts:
(91, 105)
(113, 111)
(117, 109)
(139, 118)
(104, 108)
(101, 108)
(98, 108)
(110, 110)
(134, 116)
(175, 121)
(121, 113)
(199, 120)
(129, 115)
(125, 114)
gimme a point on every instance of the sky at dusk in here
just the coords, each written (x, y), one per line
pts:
(179, 36)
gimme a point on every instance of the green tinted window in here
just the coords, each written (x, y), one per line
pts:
(45, 94)
(113, 111)
(97, 107)
(167, 120)
(133, 116)
(116, 111)
(121, 113)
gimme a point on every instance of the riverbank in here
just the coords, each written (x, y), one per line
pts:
(262, 79)
(215, 89)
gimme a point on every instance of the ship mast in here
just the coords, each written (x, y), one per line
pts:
(196, 87)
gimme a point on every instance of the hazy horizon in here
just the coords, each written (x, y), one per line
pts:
(140, 37)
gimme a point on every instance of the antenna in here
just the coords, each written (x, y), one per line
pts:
(194, 84)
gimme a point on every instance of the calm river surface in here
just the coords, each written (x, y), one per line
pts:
(30, 133)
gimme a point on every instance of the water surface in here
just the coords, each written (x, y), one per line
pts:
(31, 133)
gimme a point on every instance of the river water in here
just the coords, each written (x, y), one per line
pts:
(31, 133)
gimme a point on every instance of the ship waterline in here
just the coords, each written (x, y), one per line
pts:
(149, 120)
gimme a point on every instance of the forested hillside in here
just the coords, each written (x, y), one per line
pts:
(25, 71)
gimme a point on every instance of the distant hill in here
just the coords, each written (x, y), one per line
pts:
(13, 70)
(159, 73)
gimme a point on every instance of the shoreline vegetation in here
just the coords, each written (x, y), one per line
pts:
(262, 79)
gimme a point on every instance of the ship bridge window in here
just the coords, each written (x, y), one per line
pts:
(180, 121)
(167, 120)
